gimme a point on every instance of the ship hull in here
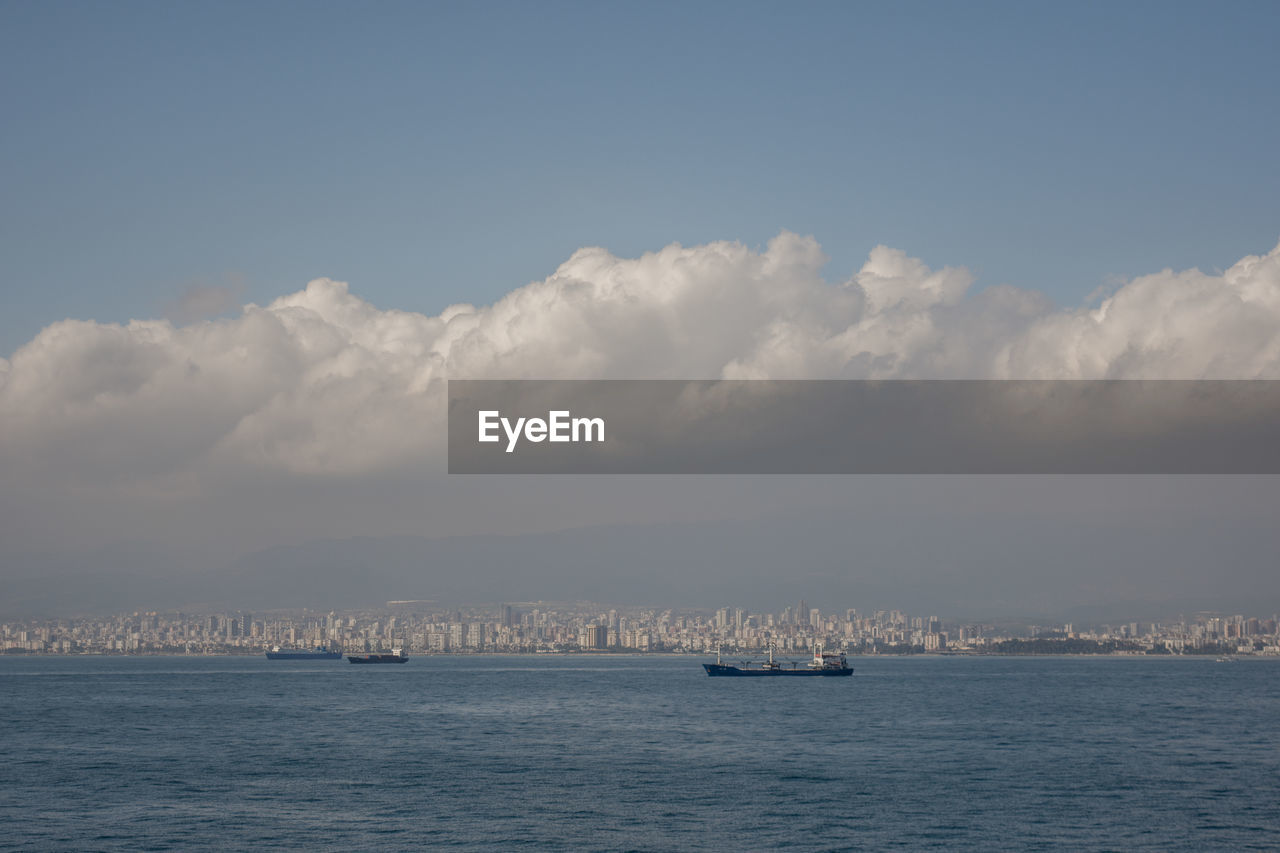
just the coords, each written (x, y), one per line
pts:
(738, 672)
(377, 659)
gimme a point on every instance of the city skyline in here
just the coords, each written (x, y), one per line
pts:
(229, 319)
(542, 627)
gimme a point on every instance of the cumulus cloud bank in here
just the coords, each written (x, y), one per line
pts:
(320, 382)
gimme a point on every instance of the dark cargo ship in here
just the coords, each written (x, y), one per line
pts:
(396, 656)
(823, 663)
(318, 653)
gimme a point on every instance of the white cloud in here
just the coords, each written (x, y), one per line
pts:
(322, 382)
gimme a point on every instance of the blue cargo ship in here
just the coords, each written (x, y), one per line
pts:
(823, 664)
(318, 653)
(396, 656)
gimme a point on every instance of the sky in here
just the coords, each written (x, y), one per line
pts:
(160, 157)
(242, 246)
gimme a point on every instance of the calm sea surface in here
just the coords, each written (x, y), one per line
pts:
(639, 753)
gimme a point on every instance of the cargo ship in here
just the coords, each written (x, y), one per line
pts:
(318, 653)
(396, 656)
(823, 663)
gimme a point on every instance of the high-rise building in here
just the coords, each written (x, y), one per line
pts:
(595, 637)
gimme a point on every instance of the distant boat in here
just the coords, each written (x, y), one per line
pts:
(396, 656)
(318, 653)
(823, 664)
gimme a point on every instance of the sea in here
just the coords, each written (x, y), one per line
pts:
(611, 752)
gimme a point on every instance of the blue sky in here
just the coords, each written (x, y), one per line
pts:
(440, 153)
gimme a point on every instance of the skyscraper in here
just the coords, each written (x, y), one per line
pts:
(596, 637)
